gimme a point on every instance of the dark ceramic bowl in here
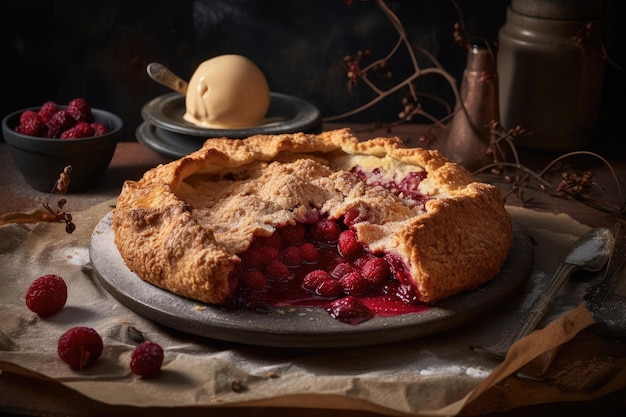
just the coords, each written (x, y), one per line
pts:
(41, 160)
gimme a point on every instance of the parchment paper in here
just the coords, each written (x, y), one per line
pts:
(436, 375)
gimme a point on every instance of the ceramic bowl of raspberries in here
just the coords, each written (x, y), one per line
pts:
(45, 140)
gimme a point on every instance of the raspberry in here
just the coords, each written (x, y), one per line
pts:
(277, 271)
(254, 281)
(329, 289)
(273, 241)
(376, 271)
(292, 256)
(99, 129)
(80, 110)
(293, 234)
(349, 310)
(46, 295)
(348, 245)
(79, 347)
(47, 110)
(81, 130)
(310, 254)
(325, 231)
(314, 278)
(59, 123)
(269, 254)
(31, 124)
(342, 269)
(252, 259)
(354, 216)
(146, 359)
(354, 283)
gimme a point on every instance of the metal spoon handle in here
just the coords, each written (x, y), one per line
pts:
(163, 75)
(544, 302)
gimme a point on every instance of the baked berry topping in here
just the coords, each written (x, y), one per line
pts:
(79, 347)
(407, 188)
(146, 359)
(348, 245)
(46, 295)
(319, 263)
(292, 257)
(325, 231)
(349, 310)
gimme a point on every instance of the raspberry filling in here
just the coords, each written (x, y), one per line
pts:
(322, 264)
(407, 189)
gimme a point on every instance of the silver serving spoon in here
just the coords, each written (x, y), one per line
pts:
(164, 76)
(590, 253)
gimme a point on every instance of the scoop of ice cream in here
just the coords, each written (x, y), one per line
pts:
(227, 92)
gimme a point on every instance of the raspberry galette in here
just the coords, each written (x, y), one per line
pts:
(324, 220)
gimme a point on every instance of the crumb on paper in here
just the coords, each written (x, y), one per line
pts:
(199, 308)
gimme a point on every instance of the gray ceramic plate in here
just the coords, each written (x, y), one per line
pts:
(286, 114)
(165, 142)
(298, 327)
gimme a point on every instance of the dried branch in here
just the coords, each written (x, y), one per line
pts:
(46, 213)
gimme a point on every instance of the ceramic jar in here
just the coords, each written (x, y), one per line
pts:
(551, 72)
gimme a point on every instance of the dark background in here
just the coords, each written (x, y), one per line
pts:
(58, 50)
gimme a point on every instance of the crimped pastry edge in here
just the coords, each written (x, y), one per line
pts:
(459, 243)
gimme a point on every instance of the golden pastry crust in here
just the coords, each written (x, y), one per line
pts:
(182, 225)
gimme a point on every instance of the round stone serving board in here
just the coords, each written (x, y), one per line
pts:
(286, 114)
(298, 327)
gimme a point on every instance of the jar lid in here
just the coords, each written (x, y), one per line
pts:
(560, 9)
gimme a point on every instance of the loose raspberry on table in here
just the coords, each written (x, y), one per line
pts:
(79, 347)
(80, 110)
(46, 295)
(146, 359)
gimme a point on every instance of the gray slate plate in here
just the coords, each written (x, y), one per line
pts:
(299, 327)
(286, 114)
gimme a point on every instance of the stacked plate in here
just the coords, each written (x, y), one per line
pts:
(164, 129)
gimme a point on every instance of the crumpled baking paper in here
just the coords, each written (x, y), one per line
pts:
(434, 375)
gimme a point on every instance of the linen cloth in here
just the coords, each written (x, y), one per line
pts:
(434, 375)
